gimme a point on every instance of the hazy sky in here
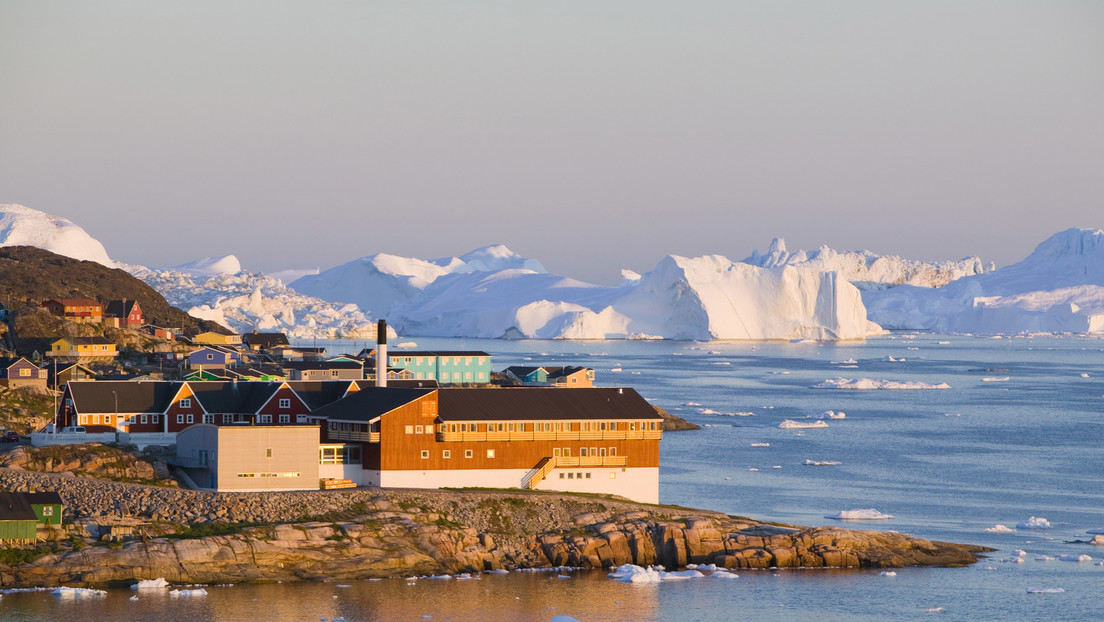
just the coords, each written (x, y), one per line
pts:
(591, 135)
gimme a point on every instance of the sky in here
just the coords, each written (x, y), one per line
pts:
(593, 136)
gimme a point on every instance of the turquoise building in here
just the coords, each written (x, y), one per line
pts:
(457, 367)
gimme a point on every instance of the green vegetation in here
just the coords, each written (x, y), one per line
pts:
(447, 524)
(204, 530)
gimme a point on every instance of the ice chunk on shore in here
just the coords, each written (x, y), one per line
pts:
(790, 424)
(864, 514)
(1034, 523)
(870, 384)
(998, 528)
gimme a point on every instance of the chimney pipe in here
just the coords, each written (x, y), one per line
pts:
(381, 353)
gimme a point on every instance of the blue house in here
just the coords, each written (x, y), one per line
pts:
(213, 357)
(453, 367)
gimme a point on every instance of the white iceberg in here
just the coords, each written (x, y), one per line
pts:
(188, 593)
(629, 573)
(23, 226)
(822, 463)
(864, 514)
(77, 592)
(1034, 523)
(998, 528)
(1045, 590)
(829, 414)
(1075, 558)
(790, 424)
(147, 584)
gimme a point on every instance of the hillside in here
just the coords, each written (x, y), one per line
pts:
(29, 275)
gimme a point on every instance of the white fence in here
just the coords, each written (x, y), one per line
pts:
(145, 439)
(39, 439)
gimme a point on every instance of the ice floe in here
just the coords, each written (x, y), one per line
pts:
(998, 528)
(1000, 379)
(629, 573)
(890, 359)
(1075, 558)
(790, 424)
(822, 463)
(1045, 590)
(77, 592)
(1034, 523)
(760, 444)
(828, 414)
(188, 593)
(887, 573)
(870, 384)
(147, 584)
(863, 514)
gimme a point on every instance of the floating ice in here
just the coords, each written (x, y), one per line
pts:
(1045, 590)
(869, 384)
(933, 610)
(890, 359)
(1001, 379)
(998, 528)
(760, 444)
(1034, 523)
(407, 345)
(822, 463)
(629, 573)
(1044, 558)
(790, 424)
(498, 571)
(828, 414)
(692, 404)
(721, 574)
(1096, 530)
(77, 592)
(146, 584)
(865, 514)
(845, 362)
(1084, 375)
(190, 593)
(1020, 553)
(1075, 558)
(887, 573)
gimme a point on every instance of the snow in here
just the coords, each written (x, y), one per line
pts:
(868, 384)
(1034, 523)
(23, 226)
(864, 514)
(1057, 288)
(1075, 558)
(790, 424)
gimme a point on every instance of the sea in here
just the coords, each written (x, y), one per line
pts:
(980, 431)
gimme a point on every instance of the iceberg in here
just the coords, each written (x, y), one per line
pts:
(868, 384)
(998, 528)
(865, 514)
(23, 226)
(147, 584)
(1034, 523)
(1059, 287)
(790, 424)
(77, 592)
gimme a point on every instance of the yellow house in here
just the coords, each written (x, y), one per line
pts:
(215, 339)
(84, 347)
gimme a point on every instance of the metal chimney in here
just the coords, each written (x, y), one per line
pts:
(381, 353)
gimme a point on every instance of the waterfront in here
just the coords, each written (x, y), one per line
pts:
(946, 463)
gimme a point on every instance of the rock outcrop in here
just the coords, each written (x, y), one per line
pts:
(368, 533)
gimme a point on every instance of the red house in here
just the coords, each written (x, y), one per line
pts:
(129, 312)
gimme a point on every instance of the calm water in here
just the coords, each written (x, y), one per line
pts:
(946, 463)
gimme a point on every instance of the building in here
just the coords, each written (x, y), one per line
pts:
(47, 506)
(84, 310)
(264, 341)
(211, 338)
(128, 312)
(84, 347)
(250, 458)
(18, 522)
(589, 440)
(460, 367)
(562, 377)
(213, 357)
(19, 372)
(324, 370)
(61, 373)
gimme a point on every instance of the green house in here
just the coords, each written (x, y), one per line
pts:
(17, 520)
(46, 506)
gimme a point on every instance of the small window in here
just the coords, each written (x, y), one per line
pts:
(467, 453)
(285, 402)
(613, 475)
(588, 475)
(425, 454)
(419, 429)
(409, 429)
(210, 357)
(266, 418)
(208, 418)
(145, 418)
(191, 419)
(570, 476)
(180, 418)
(48, 510)
(446, 454)
(613, 451)
(268, 452)
(583, 452)
(561, 475)
(490, 453)
(555, 452)
(285, 418)
(24, 372)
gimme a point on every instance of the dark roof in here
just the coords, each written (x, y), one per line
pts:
(119, 308)
(542, 403)
(369, 403)
(14, 506)
(560, 372)
(8, 361)
(319, 393)
(134, 397)
(520, 371)
(43, 498)
(305, 365)
(410, 383)
(265, 340)
(216, 396)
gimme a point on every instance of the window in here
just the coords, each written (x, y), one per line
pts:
(556, 452)
(180, 418)
(446, 454)
(145, 418)
(409, 429)
(191, 419)
(24, 372)
(467, 453)
(583, 452)
(300, 418)
(561, 475)
(208, 418)
(593, 451)
(425, 454)
(285, 418)
(266, 418)
(567, 452)
(429, 429)
(602, 452)
(613, 451)
(333, 373)
(268, 452)
(419, 429)
(48, 510)
(613, 475)
(588, 475)
(490, 453)
(285, 402)
(570, 476)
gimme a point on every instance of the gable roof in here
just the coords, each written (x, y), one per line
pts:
(529, 403)
(43, 498)
(370, 403)
(265, 340)
(14, 506)
(305, 365)
(91, 397)
(9, 361)
(121, 308)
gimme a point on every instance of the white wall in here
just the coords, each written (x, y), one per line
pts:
(638, 484)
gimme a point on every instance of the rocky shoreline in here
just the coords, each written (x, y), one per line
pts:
(189, 536)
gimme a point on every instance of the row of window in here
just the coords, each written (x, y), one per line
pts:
(573, 475)
(447, 453)
(582, 426)
(186, 402)
(269, 474)
(585, 452)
